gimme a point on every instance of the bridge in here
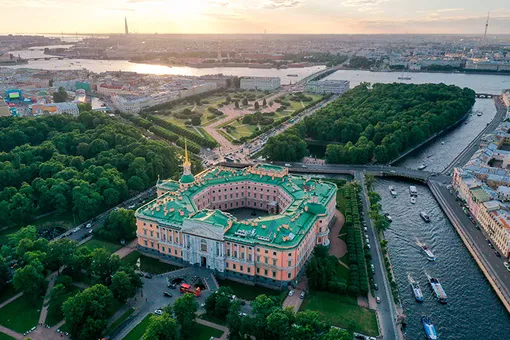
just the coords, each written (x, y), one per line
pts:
(47, 58)
(342, 169)
(485, 95)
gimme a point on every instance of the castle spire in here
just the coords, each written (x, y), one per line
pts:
(187, 177)
(186, 158)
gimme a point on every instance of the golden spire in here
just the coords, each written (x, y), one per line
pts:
(186, 159)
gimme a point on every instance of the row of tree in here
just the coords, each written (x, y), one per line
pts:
(379, 122)
(82, 165)
(321, 272)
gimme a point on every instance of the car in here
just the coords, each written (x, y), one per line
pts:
(372, 267)
(378, 299)
(91, 231)
(88, 226)
(506, 264)
(392, 171)
(288, 165)
(302, 295)
(76, 229)
(368, 246)
(508, 268)
(491, 246)
(167, 294)
(242, 314)
(202, 305)
(376, 287)
(304, 166)
(365, 228)
(497, 253)
(367, 240)
(171, 285)
(291, 293)
(359, 336)
(158, 312)
(148, 276)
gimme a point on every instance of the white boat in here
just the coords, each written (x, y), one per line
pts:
(413, 191)
(429, 253)
(413, 200)
(388, 217)
(422, 167)
(392, 191)
(424, 216)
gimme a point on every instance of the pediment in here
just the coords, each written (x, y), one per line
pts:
(202, 229)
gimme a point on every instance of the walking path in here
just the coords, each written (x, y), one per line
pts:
(337, 246)
(126, 250)
(46, 303)
(6, 302)
(10, 332)
(215, 326)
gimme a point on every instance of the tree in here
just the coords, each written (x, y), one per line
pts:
(308, 325)
(104, 264)
(336, 334)
(236, 104)
(285, 147)
(135, 183)
(264, 102)
(185, 308)
(245, 101)
(30, 280)
(86, 313)
(60, 96)
(196, 121)
(279, 323)
(124, 286)
(234, 319)
(60, 252)
(80, 260)
(82, 107)
(161, 327)
(121, 225)
(256, 105)
(4, 273)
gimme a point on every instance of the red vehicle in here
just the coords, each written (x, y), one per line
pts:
(186, 288)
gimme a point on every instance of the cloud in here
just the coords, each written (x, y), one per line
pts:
(363, 4)
(276, 4)
(218, 3)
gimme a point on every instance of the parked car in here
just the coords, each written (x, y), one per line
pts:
(506, 264)
(148, 276)
(167, 294)
(497, 253)
(158, 312)
(88, 226)
(242, 314)
(291, 293)
(378, 299)
(171, 285)
(372, 268)
(302, 295)
(376, 287)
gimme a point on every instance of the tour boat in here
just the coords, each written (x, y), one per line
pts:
(429, 328)
(429, 253)
(424, 216)
(418, 295)
(392, 191)
(413, 191)
(413, 200)
(438, 289)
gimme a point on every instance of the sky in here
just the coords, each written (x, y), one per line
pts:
(256, 16)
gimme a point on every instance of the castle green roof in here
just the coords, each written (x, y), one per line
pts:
(285, 230)
(187, 179)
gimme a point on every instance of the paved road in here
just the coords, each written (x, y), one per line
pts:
(493, 264)
(83, 232)
(468, 152)
(386, 309)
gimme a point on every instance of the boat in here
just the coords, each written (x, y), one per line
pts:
(428, 252)
(413, 200)
(442, 143)
(429, 328)
(292, 75)
(392, 191)
(479, 113)
(438, 289)
(422, 167)
(404, 78)
(388, 217)
(413, 191)
(418, 295)
(424, 216)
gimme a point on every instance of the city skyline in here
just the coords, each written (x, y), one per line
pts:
(248, 16)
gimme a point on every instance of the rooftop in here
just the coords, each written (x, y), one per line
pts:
(284, 230)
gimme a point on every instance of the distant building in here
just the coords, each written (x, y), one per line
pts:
(260, 83)
(327, 86)
(55, 108)
(4, 109)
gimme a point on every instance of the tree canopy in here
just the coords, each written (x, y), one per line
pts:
(82, 165)
(377, 122)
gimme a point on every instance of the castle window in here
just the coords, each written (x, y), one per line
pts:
(203, 245)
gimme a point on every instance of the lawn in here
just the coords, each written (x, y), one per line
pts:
(96, 243)
(247, 292)
(137, 332)
(342, 311)
(4, 336)
(213, 319)
(120, 320)
(201, 332)
(55, 315)
(149, 264)
(8, 292)
(21, 314)
(242, 130)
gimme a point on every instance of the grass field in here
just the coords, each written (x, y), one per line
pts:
(149, 264)
(55, 315)
(342, 311)
(21, 314)
(201, 332)
(8, 292)
(4, 336)
(248, 292)
(242, 130)
(96, 243)
(137, 332)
